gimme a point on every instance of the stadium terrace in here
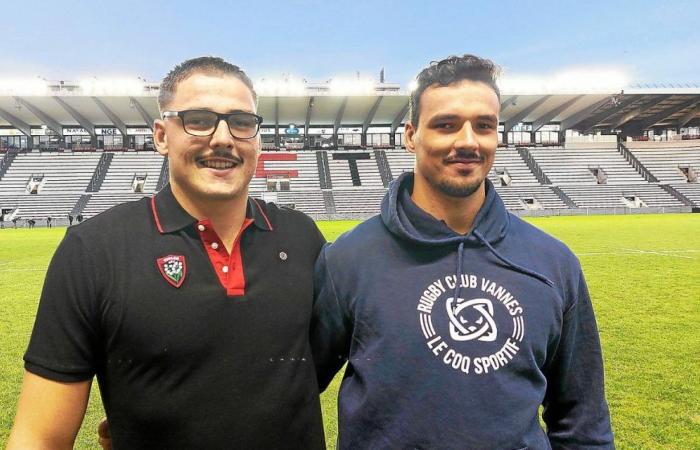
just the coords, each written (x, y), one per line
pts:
(330, 149)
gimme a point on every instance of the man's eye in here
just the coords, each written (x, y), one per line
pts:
(486, 126)
(444, 126)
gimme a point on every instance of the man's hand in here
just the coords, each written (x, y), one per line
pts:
(105, 438)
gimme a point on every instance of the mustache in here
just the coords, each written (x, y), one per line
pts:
(222, 154)
(465, 154)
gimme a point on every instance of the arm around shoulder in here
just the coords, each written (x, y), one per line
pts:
(331, 325)
(49, 413)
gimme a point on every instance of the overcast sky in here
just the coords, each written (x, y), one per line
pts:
(650, 41)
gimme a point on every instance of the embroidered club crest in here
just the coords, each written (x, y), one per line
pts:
(173, 269)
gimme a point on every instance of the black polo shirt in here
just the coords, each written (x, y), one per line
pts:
(192, 347)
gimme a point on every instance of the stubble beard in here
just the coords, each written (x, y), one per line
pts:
(457, 190)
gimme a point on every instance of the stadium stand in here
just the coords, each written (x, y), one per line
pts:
(509, 169)
(38, 207)
(103, 201)
(299, 169)
(126, 166)
(62, 180)
(400, 161)
(621, 196)
(54, 172)
(292, 179)
(131, 176)
(690, 191)
(359, 203)
(587, 166)
(527, 198)
(595, 152)
(669, 164)
(311, 202)
(354, 169)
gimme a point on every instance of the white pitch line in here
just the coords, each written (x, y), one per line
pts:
(650, 252)
(632, 251)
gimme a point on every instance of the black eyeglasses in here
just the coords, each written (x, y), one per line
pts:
(202, 122)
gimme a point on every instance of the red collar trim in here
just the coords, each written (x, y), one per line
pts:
(155, 215)
(267, 221)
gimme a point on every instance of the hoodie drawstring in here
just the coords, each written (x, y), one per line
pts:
(515, 266)
(458, 282)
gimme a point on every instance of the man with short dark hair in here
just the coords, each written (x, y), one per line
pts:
(461, 319)
(192, 307)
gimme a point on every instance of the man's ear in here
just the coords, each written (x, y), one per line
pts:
(409, 136)
(160, 139)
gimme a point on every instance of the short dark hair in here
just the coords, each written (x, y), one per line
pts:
(203, 64)
(451, 70)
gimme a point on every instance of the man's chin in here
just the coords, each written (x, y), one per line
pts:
(219, 193)
(222, 196)
(459, 190)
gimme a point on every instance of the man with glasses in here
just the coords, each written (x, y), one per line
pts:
(192, 308)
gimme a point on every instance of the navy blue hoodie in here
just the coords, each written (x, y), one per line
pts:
(454, 341)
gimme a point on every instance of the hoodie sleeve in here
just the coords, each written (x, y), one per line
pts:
(575, 409)
(331, 327)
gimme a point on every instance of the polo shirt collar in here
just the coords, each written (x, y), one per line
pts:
(169, 216)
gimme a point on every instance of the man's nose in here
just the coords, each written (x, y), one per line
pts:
(467, 137)
(222, 136)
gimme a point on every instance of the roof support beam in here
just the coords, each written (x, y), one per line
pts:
(16, 122)
(399, 117)
(144, 114)
(277, 123)
(339, 115)
(508, 102)
(547, 117)
(637, 111)
(516, 119)
(309, 107)
(277, 113)
(608, 113)
(370, 114)
(110, 114)
(627, 117)
(668, 112)
(581, 115)
(86, 124)
(42, 116)
(688, 117)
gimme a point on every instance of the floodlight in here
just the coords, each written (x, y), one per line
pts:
(345, 86)
(28, 87)
(287, 87)
(112, 87)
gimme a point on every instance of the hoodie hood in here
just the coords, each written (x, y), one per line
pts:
(406, 220)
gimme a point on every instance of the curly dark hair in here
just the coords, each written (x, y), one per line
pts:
(205, 64)
(450, 70)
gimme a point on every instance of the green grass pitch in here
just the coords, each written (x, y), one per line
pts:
(643, 272)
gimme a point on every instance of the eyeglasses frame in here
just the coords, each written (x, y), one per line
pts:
(220, 117)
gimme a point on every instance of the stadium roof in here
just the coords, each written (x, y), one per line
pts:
(89, 105)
